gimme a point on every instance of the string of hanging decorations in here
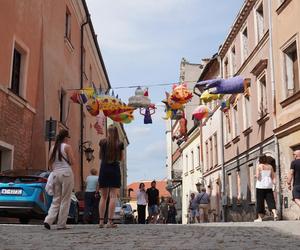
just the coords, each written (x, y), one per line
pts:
(98, 103)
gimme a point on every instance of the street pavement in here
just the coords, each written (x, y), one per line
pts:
(266, 235)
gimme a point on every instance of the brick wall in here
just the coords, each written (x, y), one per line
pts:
(16, 128)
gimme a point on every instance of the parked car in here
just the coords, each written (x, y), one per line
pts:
(127, 214)
(23, 196)
(117, 215)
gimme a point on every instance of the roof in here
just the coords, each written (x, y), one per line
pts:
(160, 185)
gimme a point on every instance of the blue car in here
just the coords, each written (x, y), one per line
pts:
(23, 196)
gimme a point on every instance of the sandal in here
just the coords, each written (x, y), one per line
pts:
(111, 224)
(101, 225)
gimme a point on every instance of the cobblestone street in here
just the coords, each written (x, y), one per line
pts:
(267, 235)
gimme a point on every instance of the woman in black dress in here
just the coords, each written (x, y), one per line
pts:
(111, 153)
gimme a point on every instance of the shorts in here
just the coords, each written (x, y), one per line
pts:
(152, 210)
(203, 208)
(296, 192)
(194, 213)
(263, 195)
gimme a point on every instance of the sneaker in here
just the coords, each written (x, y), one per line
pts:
(258, 220)
(276, 218)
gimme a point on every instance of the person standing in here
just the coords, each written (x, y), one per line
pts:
(163, 210)
(111, 153)
(294, 176)
(194, 209)
(91, 197)
(153, 202)
(61, 160)
(172, 212)
(203, 201)
(141, 203)
(264, 188)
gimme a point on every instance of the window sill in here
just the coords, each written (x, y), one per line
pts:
(282, 6)
(263, 119)
(236, 139)
(18, 100)
(290, 100)
(69, 45)
(247, 131)
(227, 145)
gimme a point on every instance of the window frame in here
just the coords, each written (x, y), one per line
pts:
(258, 5)
(289, 43)
(23, 49)
(243, 56)
(262, 75)
(68, 24)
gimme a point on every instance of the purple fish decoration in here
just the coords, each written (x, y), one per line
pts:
(232, 85)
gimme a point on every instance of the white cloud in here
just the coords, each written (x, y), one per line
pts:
(138, 131)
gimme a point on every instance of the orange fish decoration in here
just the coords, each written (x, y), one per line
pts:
(181, 94)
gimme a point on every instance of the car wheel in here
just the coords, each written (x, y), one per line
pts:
(24, 220)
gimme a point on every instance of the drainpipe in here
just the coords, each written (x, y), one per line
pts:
(277, 156)
(223, 194)
(81, 106)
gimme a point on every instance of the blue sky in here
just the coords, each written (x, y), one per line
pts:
(142, 42)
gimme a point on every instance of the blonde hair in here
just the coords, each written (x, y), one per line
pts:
(93, 171)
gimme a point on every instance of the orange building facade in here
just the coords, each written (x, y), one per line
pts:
(49, 50)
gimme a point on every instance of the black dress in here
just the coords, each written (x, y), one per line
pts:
(109, 174)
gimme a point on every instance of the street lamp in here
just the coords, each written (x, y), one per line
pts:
(88, 151)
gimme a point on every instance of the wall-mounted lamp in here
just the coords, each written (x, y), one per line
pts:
(88, 151)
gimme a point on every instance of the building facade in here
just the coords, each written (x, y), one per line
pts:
(248, 125)
(285, 48)
(50, 50)
(211, 146)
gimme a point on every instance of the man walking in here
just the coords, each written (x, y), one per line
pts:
(294, 176)
(194, 209)
(203, 200)
(153, 202)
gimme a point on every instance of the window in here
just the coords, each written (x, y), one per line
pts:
(198, 156)
(238, 181)
(245, 44)
(262, 96)
(63, 107)
(227, 126)
(260, 21)
(226, 71)
(6, 156)
(68, 25)
(215, 149)
(235, 121)
(233, 61)
(211, 156)
(251, 186)
(186, 163)
(291, 69)
(193, 160)
(16, 72)
(206, 156)
(247, 112)
(229, 188)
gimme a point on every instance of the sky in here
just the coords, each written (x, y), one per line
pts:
(142, 43)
